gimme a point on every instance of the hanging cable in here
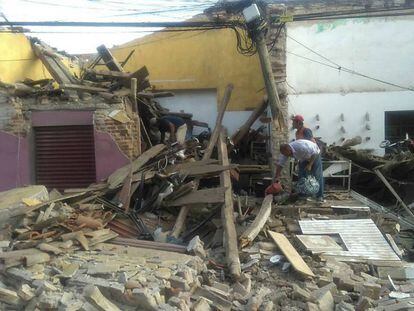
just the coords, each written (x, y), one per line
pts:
(353, 72)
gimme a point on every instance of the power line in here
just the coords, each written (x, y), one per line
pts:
(131, 11)
(28, 31)
(353, 72)
(313, 51)
(161, 39)
(184, 8)
(121, 24)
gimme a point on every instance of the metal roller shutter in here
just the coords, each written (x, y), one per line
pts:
(65, 156)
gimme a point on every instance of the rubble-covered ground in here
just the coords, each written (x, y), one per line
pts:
(73, 262)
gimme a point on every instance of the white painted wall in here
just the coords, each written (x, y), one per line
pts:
(203, 105)
(379, 47)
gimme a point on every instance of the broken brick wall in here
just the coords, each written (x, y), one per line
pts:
(115, 142)
(280, 127)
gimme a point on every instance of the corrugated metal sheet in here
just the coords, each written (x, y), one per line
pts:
(65, 156)
(361, 237)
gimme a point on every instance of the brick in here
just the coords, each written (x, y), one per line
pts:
(144, 299)
(323, 297)
(370, 290)
(364, 303)
(8, 296)
(300, 293)
(344, 306)
(310, 306)
(202, 304)
(344, 282)
(179, 282)
(216, 300)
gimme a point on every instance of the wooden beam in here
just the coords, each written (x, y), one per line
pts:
(84, 88)
(227, 215)
(109, 73)
(245, 128)
(163, 94)
(204, 196)
(117, 177)
(53, 64)
(202, 170)
(394, 193)
(291, 254)
(257, 225)
(179, 224)
(133, 97)
(109, 60)
(141, 74)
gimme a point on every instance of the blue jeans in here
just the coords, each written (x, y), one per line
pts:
(316, 171)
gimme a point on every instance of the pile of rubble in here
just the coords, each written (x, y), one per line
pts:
(61, 255)
(167, 231)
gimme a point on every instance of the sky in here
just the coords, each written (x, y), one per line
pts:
(79, 40)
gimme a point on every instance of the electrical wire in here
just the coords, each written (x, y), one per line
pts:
(278, 32)
(353, 72)
(161, 39)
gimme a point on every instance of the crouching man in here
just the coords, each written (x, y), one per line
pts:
(309, 157)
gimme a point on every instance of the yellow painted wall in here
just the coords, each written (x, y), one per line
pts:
(18, 61)
(197, 60)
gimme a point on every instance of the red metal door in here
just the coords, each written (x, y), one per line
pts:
(65, 156)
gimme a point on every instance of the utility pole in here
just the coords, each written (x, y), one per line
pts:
(257, 30)
(268, 77)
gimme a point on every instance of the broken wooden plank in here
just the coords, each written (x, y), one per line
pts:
(290, 253)
(103, 238)
(204, 196)
(141, 74)
(163, 94)
(394, 245)
(109, 60)
(257, 225)
(80, 237)
(227, 215)
(150, 245)
(116, 178)
(179, 225)
(245, 128)
(109, 73)
(394, 193)
(187, 166)
(54, 65)
(125, 194)
(213, 169)
(83, 88)
(133, 97)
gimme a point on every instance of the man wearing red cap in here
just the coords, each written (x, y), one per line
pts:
(302, 132)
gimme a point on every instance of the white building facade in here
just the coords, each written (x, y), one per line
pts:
(339, 104)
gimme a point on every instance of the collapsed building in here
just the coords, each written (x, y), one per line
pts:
(117, 222)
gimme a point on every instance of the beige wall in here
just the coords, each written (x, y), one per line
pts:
(197, 60)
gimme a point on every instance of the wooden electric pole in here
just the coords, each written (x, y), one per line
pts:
(268, 77)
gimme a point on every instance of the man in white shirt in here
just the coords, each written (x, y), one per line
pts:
(308, 155)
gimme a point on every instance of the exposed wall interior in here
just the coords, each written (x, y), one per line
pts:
(114, 142)
(203, 105)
